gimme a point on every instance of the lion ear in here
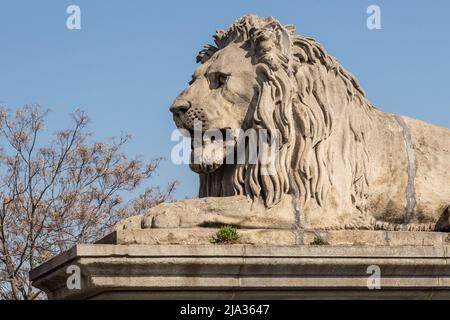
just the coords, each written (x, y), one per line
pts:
(266, 105)
(263, 115)
(285, 42)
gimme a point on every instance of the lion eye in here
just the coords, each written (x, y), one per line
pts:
(217, 79)
(222, 79)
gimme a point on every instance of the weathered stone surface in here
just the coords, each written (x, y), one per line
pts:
(246, 271)
(198, 236)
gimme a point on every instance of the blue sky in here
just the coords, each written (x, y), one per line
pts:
(131, 59)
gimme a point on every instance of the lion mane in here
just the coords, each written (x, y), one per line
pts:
(308, 89)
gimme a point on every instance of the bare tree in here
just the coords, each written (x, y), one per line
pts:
(60, 192)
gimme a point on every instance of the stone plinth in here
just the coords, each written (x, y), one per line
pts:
(243, 271)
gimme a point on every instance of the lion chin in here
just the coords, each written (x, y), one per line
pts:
(204, 168)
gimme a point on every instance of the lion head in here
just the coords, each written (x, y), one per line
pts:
(260, 75)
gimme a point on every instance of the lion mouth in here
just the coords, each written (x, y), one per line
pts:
(208, 152)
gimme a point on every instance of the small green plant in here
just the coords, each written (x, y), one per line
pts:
(319, 241)
(226, 234)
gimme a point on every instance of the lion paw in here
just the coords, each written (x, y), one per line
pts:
(161, 216)
(356, 223)
(134, 222)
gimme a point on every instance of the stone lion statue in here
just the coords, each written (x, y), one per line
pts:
(341, 164)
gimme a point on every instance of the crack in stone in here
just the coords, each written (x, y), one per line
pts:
(411, 154)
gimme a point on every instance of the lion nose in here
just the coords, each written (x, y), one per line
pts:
(179, 106)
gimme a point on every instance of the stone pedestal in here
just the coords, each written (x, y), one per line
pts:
(123, 270)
